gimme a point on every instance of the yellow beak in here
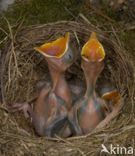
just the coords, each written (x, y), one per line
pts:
(113, 96)
(93, 50)
(55, 48)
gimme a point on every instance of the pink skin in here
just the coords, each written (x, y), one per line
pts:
(89, 111)
(50, 107)
(114, 103)
(25, 107)
(115, 111)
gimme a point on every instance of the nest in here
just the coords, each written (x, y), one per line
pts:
(22, 68)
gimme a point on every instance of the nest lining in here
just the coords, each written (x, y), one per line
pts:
(24, 68)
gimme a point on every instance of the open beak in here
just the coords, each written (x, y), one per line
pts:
(112, 95)
(55, 48)
(93, 50)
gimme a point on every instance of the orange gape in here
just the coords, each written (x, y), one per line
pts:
(59, 57)
(56, 111)
(93, 49)
(113, 96)
(89, 111)
(114, 103)
(49, 115)
(56, 48)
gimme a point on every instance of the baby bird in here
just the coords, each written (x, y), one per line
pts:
(110, 95)
(113, 101)
(90, 110)
(49, 114)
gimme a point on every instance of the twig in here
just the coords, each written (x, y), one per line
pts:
(77, 39)
(69, 143)
(85, 19)
(2, 67)
(70, 13)
(99, 12)
(3, 31)
(3, 108)
(13, 52)
(5, 38)
(122, 130)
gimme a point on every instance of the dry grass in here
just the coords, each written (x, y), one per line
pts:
(22, 67)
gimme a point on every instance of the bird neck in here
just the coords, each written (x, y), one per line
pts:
(92, 72)
(57, 77)
(60, 86)
(90, 83)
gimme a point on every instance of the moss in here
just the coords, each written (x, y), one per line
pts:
(44, 11)
(128, 38)
(38, 12)
(41, 11)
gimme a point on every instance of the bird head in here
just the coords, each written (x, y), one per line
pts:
(112, 95)
(93, 50)
(93, 55)
(57, 53)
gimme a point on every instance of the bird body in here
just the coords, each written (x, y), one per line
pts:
(49, 114)
(89, 111)
(60, 109)
(59, 57)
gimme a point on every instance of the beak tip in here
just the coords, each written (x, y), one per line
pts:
(56, 48)
(93, 49)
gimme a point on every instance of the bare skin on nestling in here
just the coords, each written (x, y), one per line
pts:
(89, 111)
(114, 102)
(53, 112)
(49, 114)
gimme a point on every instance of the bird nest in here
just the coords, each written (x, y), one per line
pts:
(22, 67)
